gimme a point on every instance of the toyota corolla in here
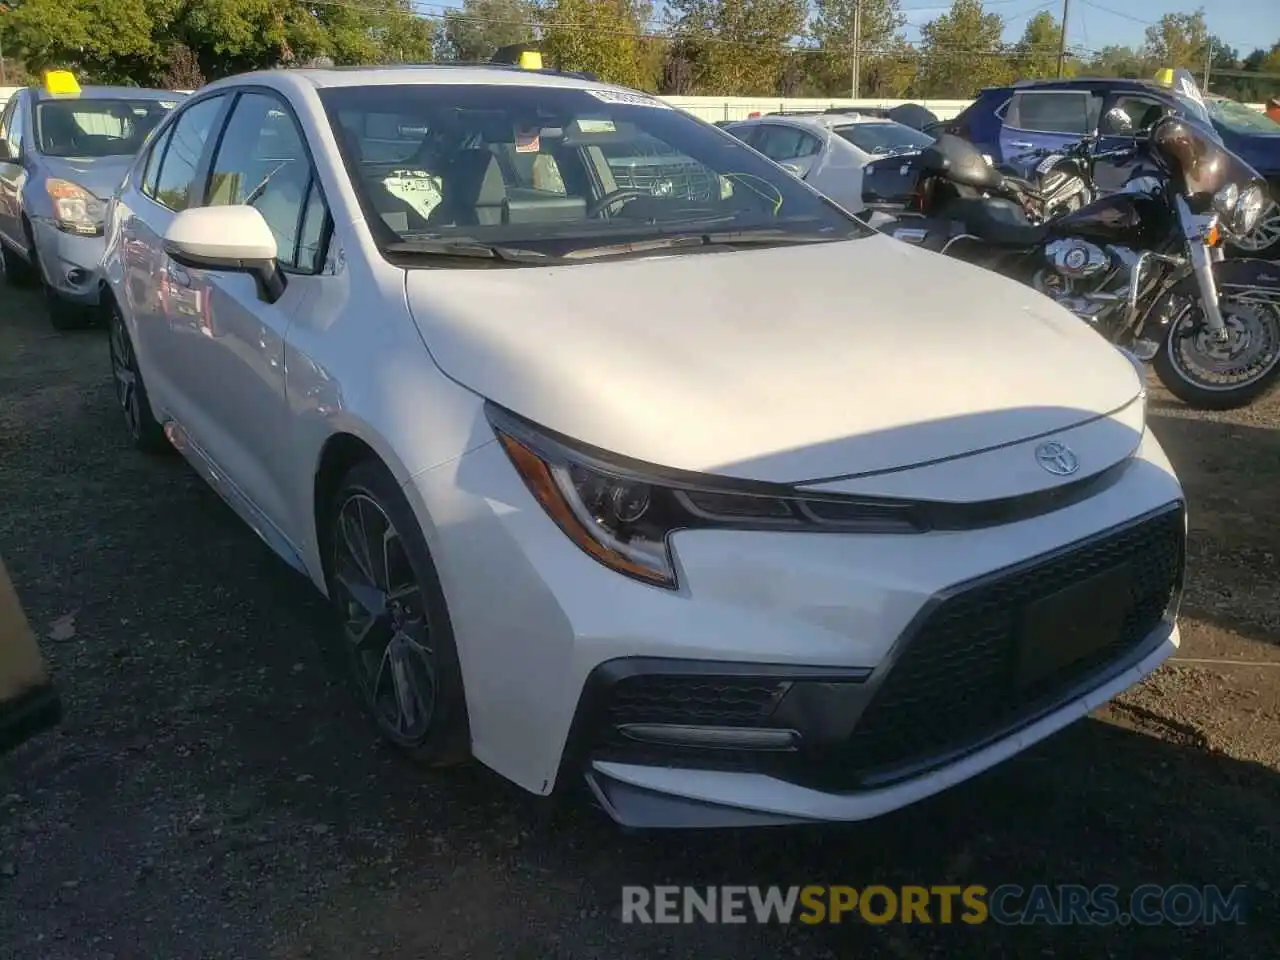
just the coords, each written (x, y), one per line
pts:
(701, 491)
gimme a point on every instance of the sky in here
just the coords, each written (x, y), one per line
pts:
(1243, 24)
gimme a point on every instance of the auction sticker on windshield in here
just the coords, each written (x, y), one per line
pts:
(417, 188)
(629, 99)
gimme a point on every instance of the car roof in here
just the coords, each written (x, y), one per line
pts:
(1088, 83)
(425, 74)
(109, 93)
(821, 121)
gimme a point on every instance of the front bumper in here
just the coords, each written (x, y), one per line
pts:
(877, 630)
(71, 264)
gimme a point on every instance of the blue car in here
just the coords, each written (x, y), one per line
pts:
(1008, 123)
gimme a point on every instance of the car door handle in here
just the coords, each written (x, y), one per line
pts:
(1021, 143)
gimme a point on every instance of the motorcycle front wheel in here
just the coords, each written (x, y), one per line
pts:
(1226, 371)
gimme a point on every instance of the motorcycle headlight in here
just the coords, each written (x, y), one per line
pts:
(1224, 201)
(622, 515)
(1248, 210)
(75, 209)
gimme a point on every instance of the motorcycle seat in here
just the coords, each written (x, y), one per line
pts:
(998, 221)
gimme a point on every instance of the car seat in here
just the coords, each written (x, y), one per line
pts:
(474, 190)
(396, 212)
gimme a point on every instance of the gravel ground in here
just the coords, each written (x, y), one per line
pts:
(213, 791)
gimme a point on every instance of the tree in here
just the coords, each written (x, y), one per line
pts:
(961, 52)
(604, 37)
(482, 26)
(737, 47)
(1116, 61)
(891, 73)
(1178, 40)
(1036, 54)
(109, 40)
(832, 30)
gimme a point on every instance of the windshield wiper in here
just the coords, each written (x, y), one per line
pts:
(683, 240)
(472, 249)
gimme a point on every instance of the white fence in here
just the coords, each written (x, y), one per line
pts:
(739, 108)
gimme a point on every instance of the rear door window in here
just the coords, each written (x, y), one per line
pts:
(778, 142)
(1051, 111)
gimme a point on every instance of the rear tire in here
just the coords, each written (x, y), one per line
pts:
(398, 645)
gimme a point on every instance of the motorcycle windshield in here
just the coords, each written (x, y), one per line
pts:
(1190, 97)
(1197, 160)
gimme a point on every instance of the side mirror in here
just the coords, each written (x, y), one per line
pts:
(6, 150)
(1119, 122)
(233, 238)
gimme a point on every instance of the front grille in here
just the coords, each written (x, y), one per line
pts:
(699, 700)
(953, 684)
(683, 180)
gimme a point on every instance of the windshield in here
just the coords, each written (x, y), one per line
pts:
(882, 138)
(96, 128)
(556, 169)
(1236, 116)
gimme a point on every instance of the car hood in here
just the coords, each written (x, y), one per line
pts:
(784, 364)
(99, 175)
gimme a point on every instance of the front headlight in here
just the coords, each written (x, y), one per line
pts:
(1224, 201)
(75, 209)
(1248, 210)
(622, 514)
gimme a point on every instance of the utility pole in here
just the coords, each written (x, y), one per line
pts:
(857, 47)
(1208, 61)
(1062, 40)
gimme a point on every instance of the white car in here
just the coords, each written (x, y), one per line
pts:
(741, 510)
(828, 151)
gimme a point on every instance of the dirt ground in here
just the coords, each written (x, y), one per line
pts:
(213, 791)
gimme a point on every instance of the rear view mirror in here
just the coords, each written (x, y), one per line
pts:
(6, 150)
(233, 238)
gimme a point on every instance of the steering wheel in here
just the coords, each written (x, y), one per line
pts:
(614, 197)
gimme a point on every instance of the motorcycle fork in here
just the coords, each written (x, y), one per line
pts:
(1196, 230)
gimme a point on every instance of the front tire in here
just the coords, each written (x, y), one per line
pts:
(398, 644)
(64, 315)
(145, 432)
(17, 271)
(1209, 374)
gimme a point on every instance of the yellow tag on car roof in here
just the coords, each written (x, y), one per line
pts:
(1165, 77)
(61, 81)
(530, 60)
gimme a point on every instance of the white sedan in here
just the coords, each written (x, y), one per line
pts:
(711, 496)
(828, 151)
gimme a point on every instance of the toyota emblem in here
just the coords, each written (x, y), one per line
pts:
(1057, 459)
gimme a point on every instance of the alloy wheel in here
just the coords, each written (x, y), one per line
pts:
(124, 372)
(1247, 351)
(1265, 235)
(385, 620)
